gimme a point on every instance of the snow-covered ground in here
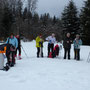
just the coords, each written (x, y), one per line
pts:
(33, 73)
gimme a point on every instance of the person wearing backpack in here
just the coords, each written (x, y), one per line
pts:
(12, 45)
(77, 43)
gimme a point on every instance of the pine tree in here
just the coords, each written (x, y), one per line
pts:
(45, 19)
(1, 18)
(85, 22)
(35, 18)
(7, 22)
(54, 20)
(70, 20)
(25, 13)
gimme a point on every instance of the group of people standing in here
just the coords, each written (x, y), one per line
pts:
(39, 44)
(66, 45)
(13, 44)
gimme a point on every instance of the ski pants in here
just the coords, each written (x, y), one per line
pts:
(18, 49)
(50, 48)
(77, 54)
(12, 55)
(39, 49)
(66, 51)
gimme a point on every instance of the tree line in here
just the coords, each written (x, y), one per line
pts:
(22, 19)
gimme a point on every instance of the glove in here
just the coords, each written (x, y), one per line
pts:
(41, 43)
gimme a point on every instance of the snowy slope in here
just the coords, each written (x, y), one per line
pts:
(33, 73)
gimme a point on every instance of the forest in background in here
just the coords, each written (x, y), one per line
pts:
(17, 18)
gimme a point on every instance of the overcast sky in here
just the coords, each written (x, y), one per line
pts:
(55, 7)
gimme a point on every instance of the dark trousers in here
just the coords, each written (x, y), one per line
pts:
(39, 49)
(50, 48)
(77, 54)
(18, 49)
(66, 51)
(12, 55)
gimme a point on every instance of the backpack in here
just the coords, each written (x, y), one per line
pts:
(52, 55)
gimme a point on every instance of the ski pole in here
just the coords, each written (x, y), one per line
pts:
(88, 59)
(24, 51)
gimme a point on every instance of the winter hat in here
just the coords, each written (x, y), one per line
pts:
(12, 34)
(40, 34)
(77, 35)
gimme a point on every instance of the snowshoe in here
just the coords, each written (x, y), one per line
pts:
(6, 68)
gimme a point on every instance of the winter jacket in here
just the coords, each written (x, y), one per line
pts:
(56, 50)
(12, 41)
(51, 40)
(39, 41)
(77, 45)
(3, 48)
(67, 45)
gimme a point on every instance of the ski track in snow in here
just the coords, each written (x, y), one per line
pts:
(33, 73)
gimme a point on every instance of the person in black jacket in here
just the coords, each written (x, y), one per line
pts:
(67, 45)
(19, 47)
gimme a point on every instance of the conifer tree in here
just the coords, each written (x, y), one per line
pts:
(85, 22)
(7, 22)
(70, 20)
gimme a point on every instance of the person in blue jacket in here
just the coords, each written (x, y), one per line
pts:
(77, 43)
(12, 45)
